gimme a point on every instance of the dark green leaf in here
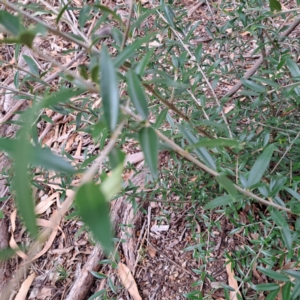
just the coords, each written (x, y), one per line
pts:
(109, 89)
(62, 96)
(38, 156)
(141, 66)
(6, 253)
(253, 86)
(116, 157)
(107, 10)
(93, 208)
(98, 275)
(285, 230)
(219, 201)
(34, 69)
(161, 118)
(215, 143)
(83, 15)
(296, 290)
(149, 143)
(10, 22)
(129, 50)
(137, 95)
(275, 5)
(293, 67)
(260, 166)
(273, 294)
(273, 274)
(202, 153)
(293, 193)
(26, 37)
(62, 11)
(286, 291)
(228, 185)
(293, 273)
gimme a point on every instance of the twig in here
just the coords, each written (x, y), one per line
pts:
(191, 158)
(255, 67)
(127, 25)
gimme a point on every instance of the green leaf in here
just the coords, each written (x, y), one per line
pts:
(62, 11)
(266, 287)
(26, 37)
(94, 211)
(38, 156)
(137, 95)
(116, 157)
(286, 291)
(253, 86)
(293, 273)
(273, 294)
(84, 15)
(161, 118)
(141, 66)
(296, 290)
(269, 82)
(10, 22)
(219, 201)
(228, 185)
(283, 225)
(149, 143)
(34, 69)
(6, 254)
(169, 14)
(112, 184)
(293, 193)
(273, 274)
(129, 50)
(62, 96)
(202, 153)
(293, 67)
(109, 89)
(216, 143)
(109, 11)
(260, 166)
(98, 275)
(275, 5)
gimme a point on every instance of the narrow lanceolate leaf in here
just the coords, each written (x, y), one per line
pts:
(34, 69)
(37, 156)
(253, 86)
(228, 185)
(137, 95)
(293, 67)
(219, 201)
(10, 22)
(149, 143)
(283, 225)
(94, 211)
(260, 166)
(201, 152)
(109, 89)
(273, 274)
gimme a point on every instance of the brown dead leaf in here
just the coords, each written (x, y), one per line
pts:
(231, 280)
(151, 251)
(25, 287)
(128, 281)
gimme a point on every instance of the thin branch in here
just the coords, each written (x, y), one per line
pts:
(202, 166)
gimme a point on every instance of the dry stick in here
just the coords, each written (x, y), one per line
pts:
(189, 157)
(254, 68)
(55, 219)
